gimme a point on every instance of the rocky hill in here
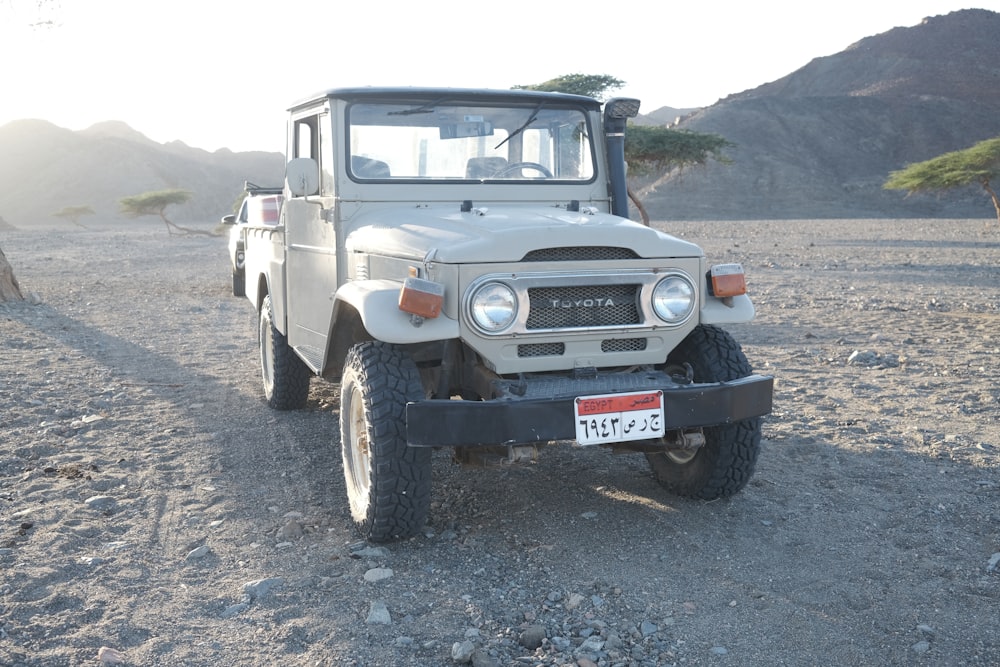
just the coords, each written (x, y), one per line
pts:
(821, 141)
(46, 168)
(817, 143)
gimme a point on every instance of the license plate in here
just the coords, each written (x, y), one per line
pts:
(619, 417)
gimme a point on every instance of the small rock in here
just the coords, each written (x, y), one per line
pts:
(91, 560)
(590, 645)
(647, 628)
(290, 531)
(101, 503)
(720, 650)
(481, 658)
(921, 647)
(926, 629)
(261, 587)
(234, 609)
(370, 552)
(574, 601)
(200, 552)
(585, 662)
(589, 515)
(461, 652)
(378, 574)
(994, 563)
(378, 614)
(532, 637)
(110, 656)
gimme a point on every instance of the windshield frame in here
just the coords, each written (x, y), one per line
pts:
(552, 129)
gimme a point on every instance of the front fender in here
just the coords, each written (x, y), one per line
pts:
(714, 311)
(377, 303)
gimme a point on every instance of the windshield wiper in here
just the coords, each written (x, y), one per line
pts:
(423, 108)
(532, 119)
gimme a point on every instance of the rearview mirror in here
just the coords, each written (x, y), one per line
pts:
(470, 128)
(302, 176)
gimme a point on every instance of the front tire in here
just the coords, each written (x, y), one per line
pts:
(388, 483)
(285, 375)
(725, 463)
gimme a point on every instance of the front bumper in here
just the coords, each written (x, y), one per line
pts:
(545, 410)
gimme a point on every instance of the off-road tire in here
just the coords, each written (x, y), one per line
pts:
(725, 463)
(285, 375)
(388, 483)
(239, 283)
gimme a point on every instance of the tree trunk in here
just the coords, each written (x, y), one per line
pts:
(9, 289)
(638, 205)
(993, 196)
(181, 230)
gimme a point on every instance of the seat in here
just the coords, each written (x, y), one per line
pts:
(484, 167)
(365, 167)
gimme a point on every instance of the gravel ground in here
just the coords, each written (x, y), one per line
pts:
(153, 511)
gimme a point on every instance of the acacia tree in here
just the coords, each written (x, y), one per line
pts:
(647, 148)
(73, 213)
(977, 165)
(590, 85)
(156, 203)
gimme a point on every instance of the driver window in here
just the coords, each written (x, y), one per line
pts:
(307, 139)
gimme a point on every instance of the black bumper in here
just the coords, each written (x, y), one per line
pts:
(519, 420)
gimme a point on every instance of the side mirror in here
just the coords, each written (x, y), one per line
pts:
(302, 176)
(229, 219)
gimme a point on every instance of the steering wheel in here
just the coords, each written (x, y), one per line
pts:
(515, 166)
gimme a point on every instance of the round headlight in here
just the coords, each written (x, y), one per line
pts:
(673, 299)
(493, 307)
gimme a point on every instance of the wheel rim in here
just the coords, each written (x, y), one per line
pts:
(266, 345)
(358, 456)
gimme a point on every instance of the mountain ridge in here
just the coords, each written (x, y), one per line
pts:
(821, 141)
(816, 143)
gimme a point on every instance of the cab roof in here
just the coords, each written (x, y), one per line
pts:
(438, 95)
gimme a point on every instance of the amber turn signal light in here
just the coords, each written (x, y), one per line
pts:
(420, 297)
(727, 280)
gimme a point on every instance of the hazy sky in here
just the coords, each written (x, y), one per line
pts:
(220, 73)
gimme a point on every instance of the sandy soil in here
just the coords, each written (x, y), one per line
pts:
(153, 507)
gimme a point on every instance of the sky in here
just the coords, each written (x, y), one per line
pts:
(221, 73)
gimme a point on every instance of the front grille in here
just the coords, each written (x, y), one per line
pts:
(579, 254)
(583, 306)
(623, 345)
(541, 350)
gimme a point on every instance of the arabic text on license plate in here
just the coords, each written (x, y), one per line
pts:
(619, 417)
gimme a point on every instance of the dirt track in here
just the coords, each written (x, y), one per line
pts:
(869, 535)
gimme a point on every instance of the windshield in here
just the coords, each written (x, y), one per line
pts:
(448, 141)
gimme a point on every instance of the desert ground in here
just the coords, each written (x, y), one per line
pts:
(153, 510)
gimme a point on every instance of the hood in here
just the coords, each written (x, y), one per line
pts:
(495, 234)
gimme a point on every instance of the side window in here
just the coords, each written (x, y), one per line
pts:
(314, 139)
(306, 139)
